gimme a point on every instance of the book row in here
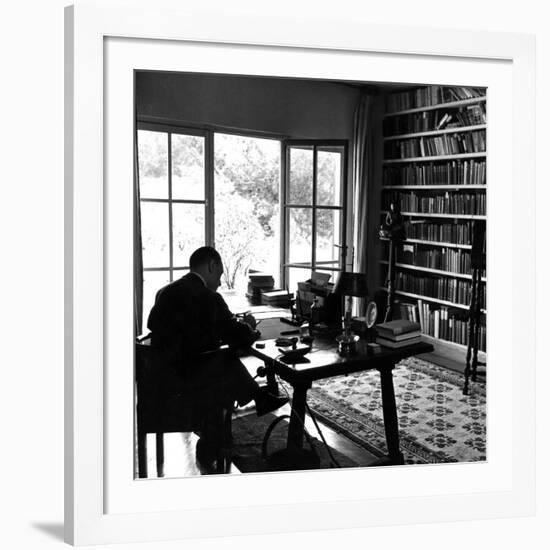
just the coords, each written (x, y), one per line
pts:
(444, 259)
(440, 323)
(446, 144)
(459, 232)
(430, 95)
(470, 115)
(437, 119)
(258, 278)
(448, 203)
(257, 283)
(399, 329)
(442, 288)
(456, 172)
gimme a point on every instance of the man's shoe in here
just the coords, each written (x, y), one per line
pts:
(267, 402)
(205, 455)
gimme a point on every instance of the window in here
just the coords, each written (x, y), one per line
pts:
(313, 226)
(202, 187)
(173, 205)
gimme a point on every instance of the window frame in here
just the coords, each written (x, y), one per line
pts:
(208, 133)
(169, 130)
(285, 206)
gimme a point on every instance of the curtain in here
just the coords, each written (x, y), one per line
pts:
(138, 258)
(363, 190)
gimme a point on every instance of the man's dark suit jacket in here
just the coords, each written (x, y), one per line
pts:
(188, 318)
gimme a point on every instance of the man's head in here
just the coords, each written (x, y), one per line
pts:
(208, 264)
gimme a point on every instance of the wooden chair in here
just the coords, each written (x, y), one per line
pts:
(161, 411)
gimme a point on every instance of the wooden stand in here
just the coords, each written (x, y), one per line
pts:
(474, 319)
(393, 243)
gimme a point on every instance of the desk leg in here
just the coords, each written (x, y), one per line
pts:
(272, 385)
(297, 416)
(389, 409)
(160, 454)
(142, 454)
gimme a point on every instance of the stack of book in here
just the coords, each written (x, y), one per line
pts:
(398, 333)
(257, 283)
(277, 298)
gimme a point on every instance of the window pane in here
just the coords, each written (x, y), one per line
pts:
(299, 235)
(187, 167)
(300, 185)
(179, 273)
(246, 203)
(153, 164)
(296, 275)
(154, 234)
(329, 177)
(328, 234)
(188, 231)
(153, 281)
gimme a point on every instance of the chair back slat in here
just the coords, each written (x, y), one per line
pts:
(159, 407)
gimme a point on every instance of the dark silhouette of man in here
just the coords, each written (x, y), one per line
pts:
(188, 318)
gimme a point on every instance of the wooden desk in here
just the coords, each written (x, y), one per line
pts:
(325, 362)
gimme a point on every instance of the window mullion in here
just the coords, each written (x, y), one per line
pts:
(344, 202)
(170, 213)
(314, 211)
(284, 213)
(209, 189)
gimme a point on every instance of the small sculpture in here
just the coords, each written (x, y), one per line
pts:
(394, 225)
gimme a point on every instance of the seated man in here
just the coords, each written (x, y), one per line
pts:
(188, 318)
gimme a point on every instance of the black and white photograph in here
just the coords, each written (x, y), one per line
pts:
(247, 250)
(309, 274)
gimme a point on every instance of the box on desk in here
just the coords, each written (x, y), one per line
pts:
(277, 298)
(330, 303)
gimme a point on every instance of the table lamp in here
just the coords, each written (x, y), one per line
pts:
(349, 284)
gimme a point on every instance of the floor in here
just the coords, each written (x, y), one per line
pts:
(451, 363)
(179, 451)
(179, 448)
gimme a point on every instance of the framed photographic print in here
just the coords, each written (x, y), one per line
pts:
(237, 192)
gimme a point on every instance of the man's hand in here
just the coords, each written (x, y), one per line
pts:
(250, 320)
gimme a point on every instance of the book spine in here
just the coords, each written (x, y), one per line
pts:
(427, 318)
(394, 332)
(420, 315)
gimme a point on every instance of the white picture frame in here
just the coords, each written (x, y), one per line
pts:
(103, 503)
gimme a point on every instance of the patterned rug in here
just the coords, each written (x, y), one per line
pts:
(436, 422)
(248, 434)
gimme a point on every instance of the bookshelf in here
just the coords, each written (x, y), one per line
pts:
(432, 270)
(434, 166)
(434, 157)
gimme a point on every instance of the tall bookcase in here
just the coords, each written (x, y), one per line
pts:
(434, 167)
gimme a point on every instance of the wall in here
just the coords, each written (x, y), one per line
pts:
(284, 107)
(291, 108)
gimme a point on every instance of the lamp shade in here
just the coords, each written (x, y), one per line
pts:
(352, 284)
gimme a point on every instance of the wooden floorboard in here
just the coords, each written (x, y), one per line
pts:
(179, 450)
